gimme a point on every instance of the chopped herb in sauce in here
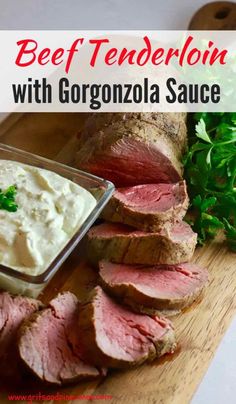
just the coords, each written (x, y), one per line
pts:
(7, 199)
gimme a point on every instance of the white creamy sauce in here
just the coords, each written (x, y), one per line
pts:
(50, 210)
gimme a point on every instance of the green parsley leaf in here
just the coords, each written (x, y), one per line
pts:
(210, 172)
(7, 199)
(201, 132)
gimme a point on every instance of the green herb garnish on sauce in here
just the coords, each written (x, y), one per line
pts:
(7, 199)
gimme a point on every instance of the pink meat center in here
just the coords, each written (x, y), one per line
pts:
(125, 335)
(158, 282)
(156, 197)
(131, 162)
(51, 345)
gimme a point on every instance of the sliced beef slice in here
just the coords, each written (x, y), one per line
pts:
(49, 345)
(13, 311)
(159, 287)
(122, 244)
(148, 207)
(115, 337)
(130, 151)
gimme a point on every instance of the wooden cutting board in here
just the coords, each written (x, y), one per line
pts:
(173, 379)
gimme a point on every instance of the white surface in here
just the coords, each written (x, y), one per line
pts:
(97, 14)
(219, 384)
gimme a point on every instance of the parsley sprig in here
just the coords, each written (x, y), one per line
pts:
(210, 171)
(7, 199)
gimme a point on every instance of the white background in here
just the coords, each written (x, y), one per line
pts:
(97, 14)
(219, 384)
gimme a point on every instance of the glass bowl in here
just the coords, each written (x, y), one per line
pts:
(102, 190)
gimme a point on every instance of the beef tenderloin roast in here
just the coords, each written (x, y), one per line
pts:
(159, 287)
(122, 244)
(113, 336)
(49, 345)
(132, 149)
(148, 207)
(13, 311)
